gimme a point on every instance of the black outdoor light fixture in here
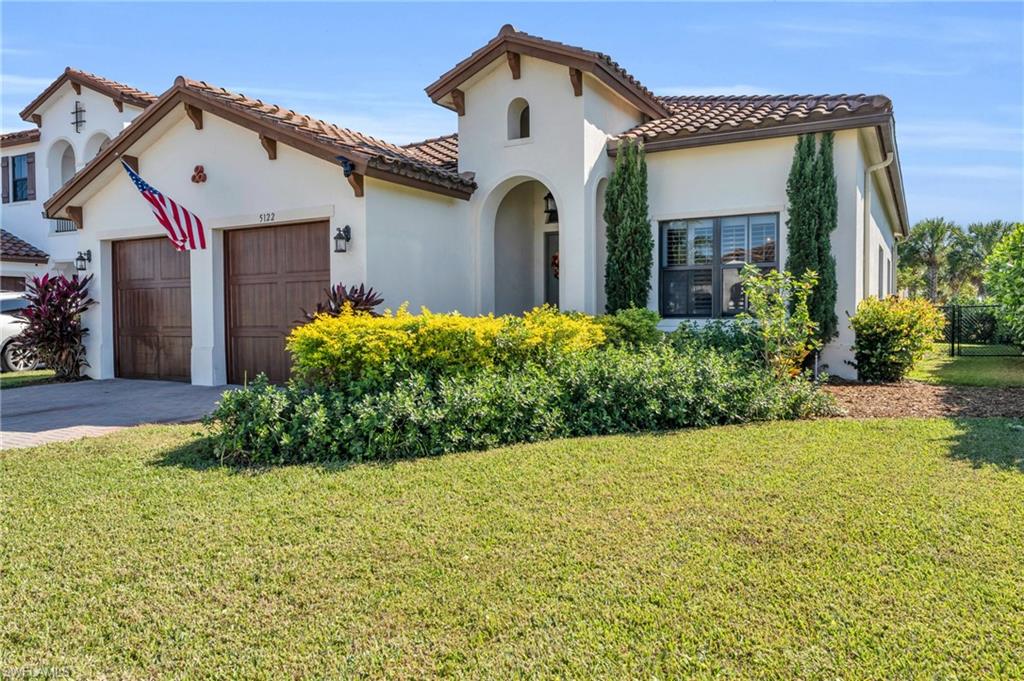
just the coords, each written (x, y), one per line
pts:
(341, 239)
(550, 209)
(82, 260)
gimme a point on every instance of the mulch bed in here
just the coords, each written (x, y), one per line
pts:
(913, 399)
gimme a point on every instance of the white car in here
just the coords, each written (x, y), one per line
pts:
(10, 327)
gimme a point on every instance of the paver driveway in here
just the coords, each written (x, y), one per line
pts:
(37, 414)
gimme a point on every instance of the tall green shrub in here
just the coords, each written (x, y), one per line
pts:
(822, 301)
(811, 191)
(1004, 280)
(630, 244)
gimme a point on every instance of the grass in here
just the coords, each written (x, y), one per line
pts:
(939, 368)
(836, 548)
(18, 379)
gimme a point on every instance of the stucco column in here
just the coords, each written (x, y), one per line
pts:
(573, 270)
(209, 358)
(99, 320)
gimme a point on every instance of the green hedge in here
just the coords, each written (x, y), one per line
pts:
(603, 391)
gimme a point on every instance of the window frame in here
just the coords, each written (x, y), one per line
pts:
(15, 179)
(716, 265)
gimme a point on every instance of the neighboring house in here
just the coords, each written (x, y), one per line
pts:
(503, 216)
(75, 117)
(19, 260)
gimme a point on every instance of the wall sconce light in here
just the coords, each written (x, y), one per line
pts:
(550, 209)
(341, 239)
(81, 262)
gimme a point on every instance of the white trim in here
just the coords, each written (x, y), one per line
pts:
(726, 212)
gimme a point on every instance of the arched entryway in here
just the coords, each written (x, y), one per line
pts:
(525, 246)
(61, 162)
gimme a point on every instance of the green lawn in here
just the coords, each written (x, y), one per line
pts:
(939, 368)
(17, 379)
(827, 549)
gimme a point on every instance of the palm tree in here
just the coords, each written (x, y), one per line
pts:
(969, 250)
(929, 245)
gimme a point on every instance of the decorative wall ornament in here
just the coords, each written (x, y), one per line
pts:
(199, 175)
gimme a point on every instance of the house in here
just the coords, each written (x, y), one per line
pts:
(503, 215)
(75, 117)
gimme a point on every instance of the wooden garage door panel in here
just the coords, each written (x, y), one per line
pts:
(272, 274)
(153, 310)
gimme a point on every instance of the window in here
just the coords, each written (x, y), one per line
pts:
(518, 119)
(888, 277)
(19, 177)
(701, 262)
(881, 272)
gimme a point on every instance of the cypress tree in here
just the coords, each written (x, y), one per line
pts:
(629, 240)
(802, 231)
(823, 297)
(813, 206)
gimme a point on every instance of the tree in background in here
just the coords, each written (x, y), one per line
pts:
(970, 249)
(811, 192)
(929, 246)
(627, 280)
(1004, 279)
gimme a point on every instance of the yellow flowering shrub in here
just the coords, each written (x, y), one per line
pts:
(362, 352)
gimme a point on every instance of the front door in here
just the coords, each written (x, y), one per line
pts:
(551, 268)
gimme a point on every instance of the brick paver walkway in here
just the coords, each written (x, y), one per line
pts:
(54, 412)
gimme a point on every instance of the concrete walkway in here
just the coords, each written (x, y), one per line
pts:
(55, 412)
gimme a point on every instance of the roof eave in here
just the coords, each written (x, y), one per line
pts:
(883, 122)
(180, 93)
(71, 76)
(25, 258)
(539, 49)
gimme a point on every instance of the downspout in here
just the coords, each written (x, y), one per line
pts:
(866, 255)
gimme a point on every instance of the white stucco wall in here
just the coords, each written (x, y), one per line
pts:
(748, 178)
(102, 119)
(419, 248)
(242, 184)
(554, 155)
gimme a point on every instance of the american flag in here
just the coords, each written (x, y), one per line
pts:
(184, 228)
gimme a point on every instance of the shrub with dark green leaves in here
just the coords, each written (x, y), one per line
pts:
(606, 391)
(633, 327)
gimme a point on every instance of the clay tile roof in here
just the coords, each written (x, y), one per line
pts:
(11, 139)
(424, 161)
(111, 88)
(511, 40)
(442, 151)
(13, 248)
(694, 116)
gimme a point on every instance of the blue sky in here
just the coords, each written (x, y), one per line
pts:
(954, 71)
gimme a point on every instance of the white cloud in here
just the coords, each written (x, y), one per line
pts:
(698, 90)
(946, 30)
(12, 84)
(17, 51)
(974, 172)
(961, 135)
(914, 70)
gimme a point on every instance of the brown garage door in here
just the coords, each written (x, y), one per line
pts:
(272, 273)
(153, 310)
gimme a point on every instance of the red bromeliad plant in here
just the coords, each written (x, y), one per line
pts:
(53, 323)
(359, 299)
